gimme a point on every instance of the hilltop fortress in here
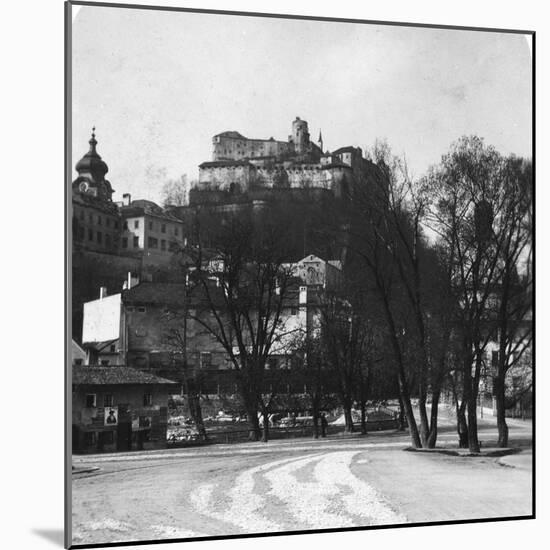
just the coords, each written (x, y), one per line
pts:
(244, 169)
(110, 240)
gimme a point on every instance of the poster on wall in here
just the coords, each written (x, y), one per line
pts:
(111, 416)
(336, 217)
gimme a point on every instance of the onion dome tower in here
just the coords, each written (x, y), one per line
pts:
(91, 173)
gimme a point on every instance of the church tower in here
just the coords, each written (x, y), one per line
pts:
(91, 174)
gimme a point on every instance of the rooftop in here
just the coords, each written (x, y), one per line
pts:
(227, 162)
(142, 207)
(347, 149)
(230, 134)
(95, 375)
(155, 293)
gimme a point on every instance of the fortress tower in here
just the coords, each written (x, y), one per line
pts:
(300, 136)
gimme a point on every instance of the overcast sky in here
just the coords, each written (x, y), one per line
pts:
(158, 85)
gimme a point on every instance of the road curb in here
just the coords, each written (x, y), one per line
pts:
(466, 453)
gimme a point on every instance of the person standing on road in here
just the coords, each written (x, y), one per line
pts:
(324, 425)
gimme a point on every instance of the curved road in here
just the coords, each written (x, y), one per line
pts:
(288, 486)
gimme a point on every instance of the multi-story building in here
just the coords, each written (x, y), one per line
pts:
(149, 232)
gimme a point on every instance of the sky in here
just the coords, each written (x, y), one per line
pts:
(159, 85)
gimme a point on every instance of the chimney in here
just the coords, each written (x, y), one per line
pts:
(126, 199)
(102, 292)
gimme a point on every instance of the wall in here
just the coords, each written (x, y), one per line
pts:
(239, 148)
(95, 229)
(148, 333)
(148, 227)
(221, 177)
(102, 319)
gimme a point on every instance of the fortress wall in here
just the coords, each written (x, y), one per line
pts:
(221, 177)
(237, 149)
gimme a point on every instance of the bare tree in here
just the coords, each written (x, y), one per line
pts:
(389, 240)
(475, 215)
(513, 228)
(175, 192)
(245, 286)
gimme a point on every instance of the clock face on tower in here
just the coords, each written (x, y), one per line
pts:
(83, 186)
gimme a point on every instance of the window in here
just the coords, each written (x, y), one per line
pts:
(112, 348)
(125, 226)
(151, 226)
(98, 220)
(153, 243)
(494, 359)
(136, 242)
(99, 237)
(141, 309)
(79, 361)
(124, 242)
(136, 224)
(90, 400)
(115, 223)
(90, 235)
(90, 218)
(104, 362)
(163, 228)
(205, 359)
(108, 400)
(293, 311)
(163, 245)
(176, 231)
(147, 399)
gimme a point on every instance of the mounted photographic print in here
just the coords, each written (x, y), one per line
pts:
(300, 291)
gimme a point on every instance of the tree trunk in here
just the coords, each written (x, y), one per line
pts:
(424, 426)
(315, 412)
(409, 413)
(363, 418)
(499, 393)
(252, 412)
(432, 435)
(401, 427)
(473, 387)
(348, 418)
(473, 442)
(402, 377)
(196, 415)
(462, 425)
(265, 431)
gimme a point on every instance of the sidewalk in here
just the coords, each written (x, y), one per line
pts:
(521, 461)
